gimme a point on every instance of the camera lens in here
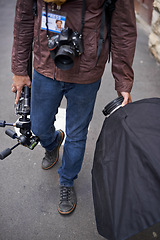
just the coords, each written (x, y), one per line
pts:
(64, 58)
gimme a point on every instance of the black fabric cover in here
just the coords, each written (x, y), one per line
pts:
(126, 171)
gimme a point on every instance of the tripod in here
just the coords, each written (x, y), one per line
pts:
(26, 138)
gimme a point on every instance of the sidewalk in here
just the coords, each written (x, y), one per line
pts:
(29, 195)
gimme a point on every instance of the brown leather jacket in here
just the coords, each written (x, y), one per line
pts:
(123, 33)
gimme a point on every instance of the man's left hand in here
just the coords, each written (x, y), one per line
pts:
(126, 96)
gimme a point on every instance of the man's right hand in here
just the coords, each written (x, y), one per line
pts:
(18, 83)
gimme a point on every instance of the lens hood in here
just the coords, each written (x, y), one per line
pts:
(113, 106)
(64, 58)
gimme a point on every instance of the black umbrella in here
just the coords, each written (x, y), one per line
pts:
(126, 170)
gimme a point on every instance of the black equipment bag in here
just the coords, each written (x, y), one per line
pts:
(126, 171)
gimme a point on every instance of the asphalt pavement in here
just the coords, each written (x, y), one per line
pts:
(29, 195)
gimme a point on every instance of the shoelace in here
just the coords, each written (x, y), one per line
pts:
(65, 194)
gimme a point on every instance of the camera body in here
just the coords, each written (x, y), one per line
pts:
(65, 47)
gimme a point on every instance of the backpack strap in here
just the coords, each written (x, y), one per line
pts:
(83, 16)
(109, 12)
(108, 8)
(34, 8)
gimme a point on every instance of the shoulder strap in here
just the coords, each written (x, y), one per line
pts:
(34, 8)
(108, 8)
(83, 16)
(109, 12)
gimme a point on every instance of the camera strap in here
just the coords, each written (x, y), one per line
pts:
(46, 6)
(82, 19)
(108, 8)
(83, 16)
(34, 8)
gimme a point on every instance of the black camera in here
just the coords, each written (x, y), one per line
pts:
(64, 47)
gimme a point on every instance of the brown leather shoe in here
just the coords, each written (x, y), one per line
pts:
(51, 158)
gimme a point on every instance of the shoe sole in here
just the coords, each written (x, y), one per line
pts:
(57, 152)
(69, 212)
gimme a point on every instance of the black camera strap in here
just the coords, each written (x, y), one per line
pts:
(46, 6)
(108, 8)
(83, 16)
(34, 8)
(82, 19)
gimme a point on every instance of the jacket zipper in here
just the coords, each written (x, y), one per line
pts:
(55, 71)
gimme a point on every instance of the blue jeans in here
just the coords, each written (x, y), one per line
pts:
(46, 96)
